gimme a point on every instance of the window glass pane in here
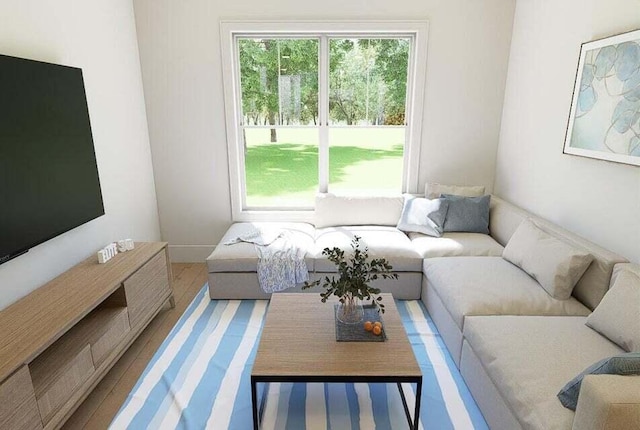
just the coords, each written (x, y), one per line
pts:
(279, 81)
(368, 81)
(366, 160)
(281, 173)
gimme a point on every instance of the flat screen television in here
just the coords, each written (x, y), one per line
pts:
(49, 180)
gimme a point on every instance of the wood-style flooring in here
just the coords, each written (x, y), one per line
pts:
(103, 403)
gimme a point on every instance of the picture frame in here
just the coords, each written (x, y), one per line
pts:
(604, 120)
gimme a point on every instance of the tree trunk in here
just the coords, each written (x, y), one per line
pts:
(272, 88)
(244, 140)
(272, 121)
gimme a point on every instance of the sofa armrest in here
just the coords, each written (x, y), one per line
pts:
(609, 402)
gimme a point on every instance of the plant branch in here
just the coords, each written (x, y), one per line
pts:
(354, 275)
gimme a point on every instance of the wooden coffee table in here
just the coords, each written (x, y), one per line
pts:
(298, 344)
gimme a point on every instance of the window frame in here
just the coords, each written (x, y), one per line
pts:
(230, 31)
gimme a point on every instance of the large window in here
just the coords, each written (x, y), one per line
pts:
(321, 107)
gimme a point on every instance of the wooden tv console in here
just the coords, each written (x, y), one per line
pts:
(58, 342)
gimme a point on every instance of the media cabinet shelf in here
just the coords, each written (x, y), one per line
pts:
(58, 342)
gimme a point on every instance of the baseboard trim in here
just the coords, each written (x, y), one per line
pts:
(190, 253)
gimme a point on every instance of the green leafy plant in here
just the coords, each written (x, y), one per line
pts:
(355, 272)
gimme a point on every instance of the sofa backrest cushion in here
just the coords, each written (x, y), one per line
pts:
(505, 219)
(332, 210)
(594, 284)
(556, 265)
(617, 317)
(433, 190)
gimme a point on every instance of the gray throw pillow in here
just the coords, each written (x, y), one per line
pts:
(467, 214)
(623, 364)
(423, 216)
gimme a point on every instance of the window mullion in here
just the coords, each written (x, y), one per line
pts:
(323, 115)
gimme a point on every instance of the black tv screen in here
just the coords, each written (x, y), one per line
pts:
(48, 174)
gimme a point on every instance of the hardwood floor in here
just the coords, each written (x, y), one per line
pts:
(103, 403)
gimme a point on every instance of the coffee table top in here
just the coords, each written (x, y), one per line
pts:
(298, 339)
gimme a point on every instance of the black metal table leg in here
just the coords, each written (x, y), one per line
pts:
(258, 410)
(416, 416)
(404, 404)
(254, 404)
(263, 401)
(413, 421)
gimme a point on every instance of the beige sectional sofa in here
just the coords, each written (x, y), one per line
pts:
(515, 344)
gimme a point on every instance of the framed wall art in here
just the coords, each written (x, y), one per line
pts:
(604, 121)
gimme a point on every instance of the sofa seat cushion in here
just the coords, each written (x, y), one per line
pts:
(243, 257)
(382, 241)
(530, 358)
(455, 244)
(491, 286)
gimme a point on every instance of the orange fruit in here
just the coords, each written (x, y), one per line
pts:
(368, 326)
(377, 324)
(377, 330)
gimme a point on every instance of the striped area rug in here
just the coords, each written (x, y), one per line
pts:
(200, 378)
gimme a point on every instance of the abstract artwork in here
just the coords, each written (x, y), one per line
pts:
(604, 121)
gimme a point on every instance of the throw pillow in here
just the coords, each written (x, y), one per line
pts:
(467, 214)
(554, 264)
(434, 190)
(617, 317)
(624, 364)
(423, 216)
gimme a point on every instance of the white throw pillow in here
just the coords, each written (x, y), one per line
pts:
(433, 190)
(617, 317)
(423, 216)
(332, 210)
(553, 263)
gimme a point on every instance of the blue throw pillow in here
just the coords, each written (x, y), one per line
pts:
(467, 214)
(423, 216)
(624, 364)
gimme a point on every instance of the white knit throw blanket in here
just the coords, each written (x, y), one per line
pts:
(281, 262)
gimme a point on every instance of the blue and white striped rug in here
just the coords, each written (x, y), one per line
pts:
(200, 378)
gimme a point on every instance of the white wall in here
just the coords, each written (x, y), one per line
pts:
(100, 37)
(180, 56)
(596, 199)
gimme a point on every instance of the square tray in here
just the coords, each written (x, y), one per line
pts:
(356, 332)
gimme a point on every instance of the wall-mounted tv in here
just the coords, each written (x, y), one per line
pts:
(49, 180)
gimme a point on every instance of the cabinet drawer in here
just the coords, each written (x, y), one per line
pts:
(147, 289)
(58, 373)
(115, 323)
(103, 329)
(18, 407)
